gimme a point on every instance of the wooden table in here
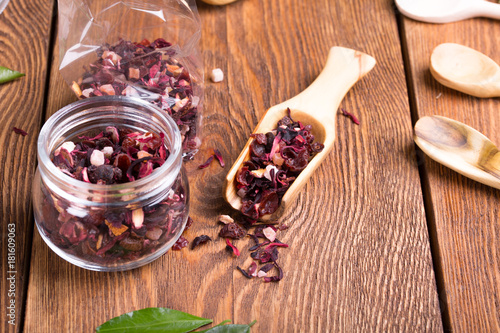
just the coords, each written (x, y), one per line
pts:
(381, 239)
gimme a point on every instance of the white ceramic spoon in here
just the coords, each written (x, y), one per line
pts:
(3, 4)
(466, 70)
(445, 11)
(459, 147)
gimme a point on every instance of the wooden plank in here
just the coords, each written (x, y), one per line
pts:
(359, 256)
(24, 38)
(463, 214)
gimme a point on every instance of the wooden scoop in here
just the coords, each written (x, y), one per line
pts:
(466, 70)
(444, 11)
(317, 106)
(459, 147)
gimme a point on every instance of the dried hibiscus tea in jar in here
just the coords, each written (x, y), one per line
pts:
(276, 159)
(150, 71)
(108, 235)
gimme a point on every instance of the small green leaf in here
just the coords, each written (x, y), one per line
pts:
(7, 75)
(223, 323)
(153, 320)
(232, 328)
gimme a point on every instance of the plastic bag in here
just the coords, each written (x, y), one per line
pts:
(146, 49)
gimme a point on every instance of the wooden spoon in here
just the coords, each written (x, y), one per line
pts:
(466, 70)
(459, 147)
(218, 2)
(444, 11)
(317, 106)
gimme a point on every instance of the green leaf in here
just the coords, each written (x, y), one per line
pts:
(221, 328)
(223, 323)
(232, 328)
(7, 75)
(151, 320)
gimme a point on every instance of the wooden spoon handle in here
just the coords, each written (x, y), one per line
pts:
(459, 147)
(344, 67)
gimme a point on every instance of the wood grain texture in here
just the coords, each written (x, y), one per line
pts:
(24, 45)
(359, 256)
(463, 214)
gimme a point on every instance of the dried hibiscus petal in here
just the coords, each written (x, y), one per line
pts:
(275, 278)
(200, 240)
(19, 131)
(351, 116)
(218, 155)
(232, 248)
(180, 243)
(207, 163)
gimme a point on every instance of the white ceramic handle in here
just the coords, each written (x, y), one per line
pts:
(488, 9)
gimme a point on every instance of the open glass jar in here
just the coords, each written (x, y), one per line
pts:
(118, 226)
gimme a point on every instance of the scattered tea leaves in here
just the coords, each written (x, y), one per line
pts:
(153, 320)
(7, 74)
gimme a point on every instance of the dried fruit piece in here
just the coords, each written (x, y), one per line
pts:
(217, 75)
(226, 219)
(232, 230)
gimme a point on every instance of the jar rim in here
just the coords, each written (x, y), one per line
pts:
(79, 107)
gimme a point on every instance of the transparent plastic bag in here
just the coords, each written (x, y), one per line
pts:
(146, 49)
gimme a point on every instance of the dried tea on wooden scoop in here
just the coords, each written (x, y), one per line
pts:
(316, 106)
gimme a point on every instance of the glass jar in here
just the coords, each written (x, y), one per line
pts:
(110, 227)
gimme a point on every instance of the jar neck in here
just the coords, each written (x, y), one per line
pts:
(95, 114)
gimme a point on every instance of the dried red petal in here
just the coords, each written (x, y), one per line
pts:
(207, 163)
(232, 247)
(19, 131)
(218, 155)
(351, 116)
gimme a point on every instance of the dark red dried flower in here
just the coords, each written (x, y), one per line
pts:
(200, 240)
(351, 116)
(19, 131)
(275, 278)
